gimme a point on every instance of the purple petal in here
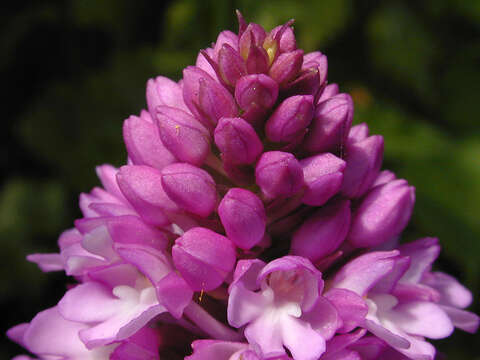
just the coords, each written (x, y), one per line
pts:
(362, 273)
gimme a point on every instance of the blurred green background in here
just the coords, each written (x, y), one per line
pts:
(73, 70)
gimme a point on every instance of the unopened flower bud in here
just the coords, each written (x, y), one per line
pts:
(383, 213)
(323, 175)
(143, 142)
(162, 91)
(279, 173)
(307, 83)
(364, 159)
(190, 187)
(203, 258)
(207, 99)
(286, 40)
(253, 36)
(230, 65)
(328, 91)
(243, 216)
(255, 94)
(291, 119)
(330, 125)
(142, 187)
(319, 61)
(358, 133)
(323, 232)
(257, 62)
(384, 177)
(237, 141)
(183, 135)
(286, 67)
(225, 38)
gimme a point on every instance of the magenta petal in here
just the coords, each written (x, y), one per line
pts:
(323, 232)
(363, 272)
(142, 345)
(142, 186)
(162, 91)
(108, 176)
(183, 135)
(204, 258)
(323, 175)
(132, 230)
(243, 216)
(278, 173)
(286, 67)
(237, 141)
(191, 188)
(330, 124)
(382, 214)
(291, 119)
(143, 143)
(364, 159)
(351, 308)
(207, 99)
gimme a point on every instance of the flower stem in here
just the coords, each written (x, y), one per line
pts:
(209, 324)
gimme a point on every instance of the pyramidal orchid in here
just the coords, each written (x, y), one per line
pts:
(250, 221)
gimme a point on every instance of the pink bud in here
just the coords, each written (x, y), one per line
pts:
(383, 214)
(256, 89)
(364, 159)
(358, 133)
(230, 65)
(243, 217)
(331, 124)
(190, 187)
(286, 67)
(203, 258)
(143, 142)
(183, 135)
(207, 99)
(307, 83)
(323, 232)
(237, 141)
(278, 174)
(142, 187)
(291, 119)
(384, 177)
(257, 61)
(206, 64)
(253, 36)
(225, 38)
(323, 175)
(165, 92)
(319, 61)
(329, 91)
(286, 42)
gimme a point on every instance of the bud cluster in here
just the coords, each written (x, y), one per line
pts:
(244, 182)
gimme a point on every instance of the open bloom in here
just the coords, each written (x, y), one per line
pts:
(281, 306)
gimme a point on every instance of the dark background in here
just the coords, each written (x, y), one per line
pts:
(72, 71)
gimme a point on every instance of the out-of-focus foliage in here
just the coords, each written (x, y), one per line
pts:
(73, 70)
